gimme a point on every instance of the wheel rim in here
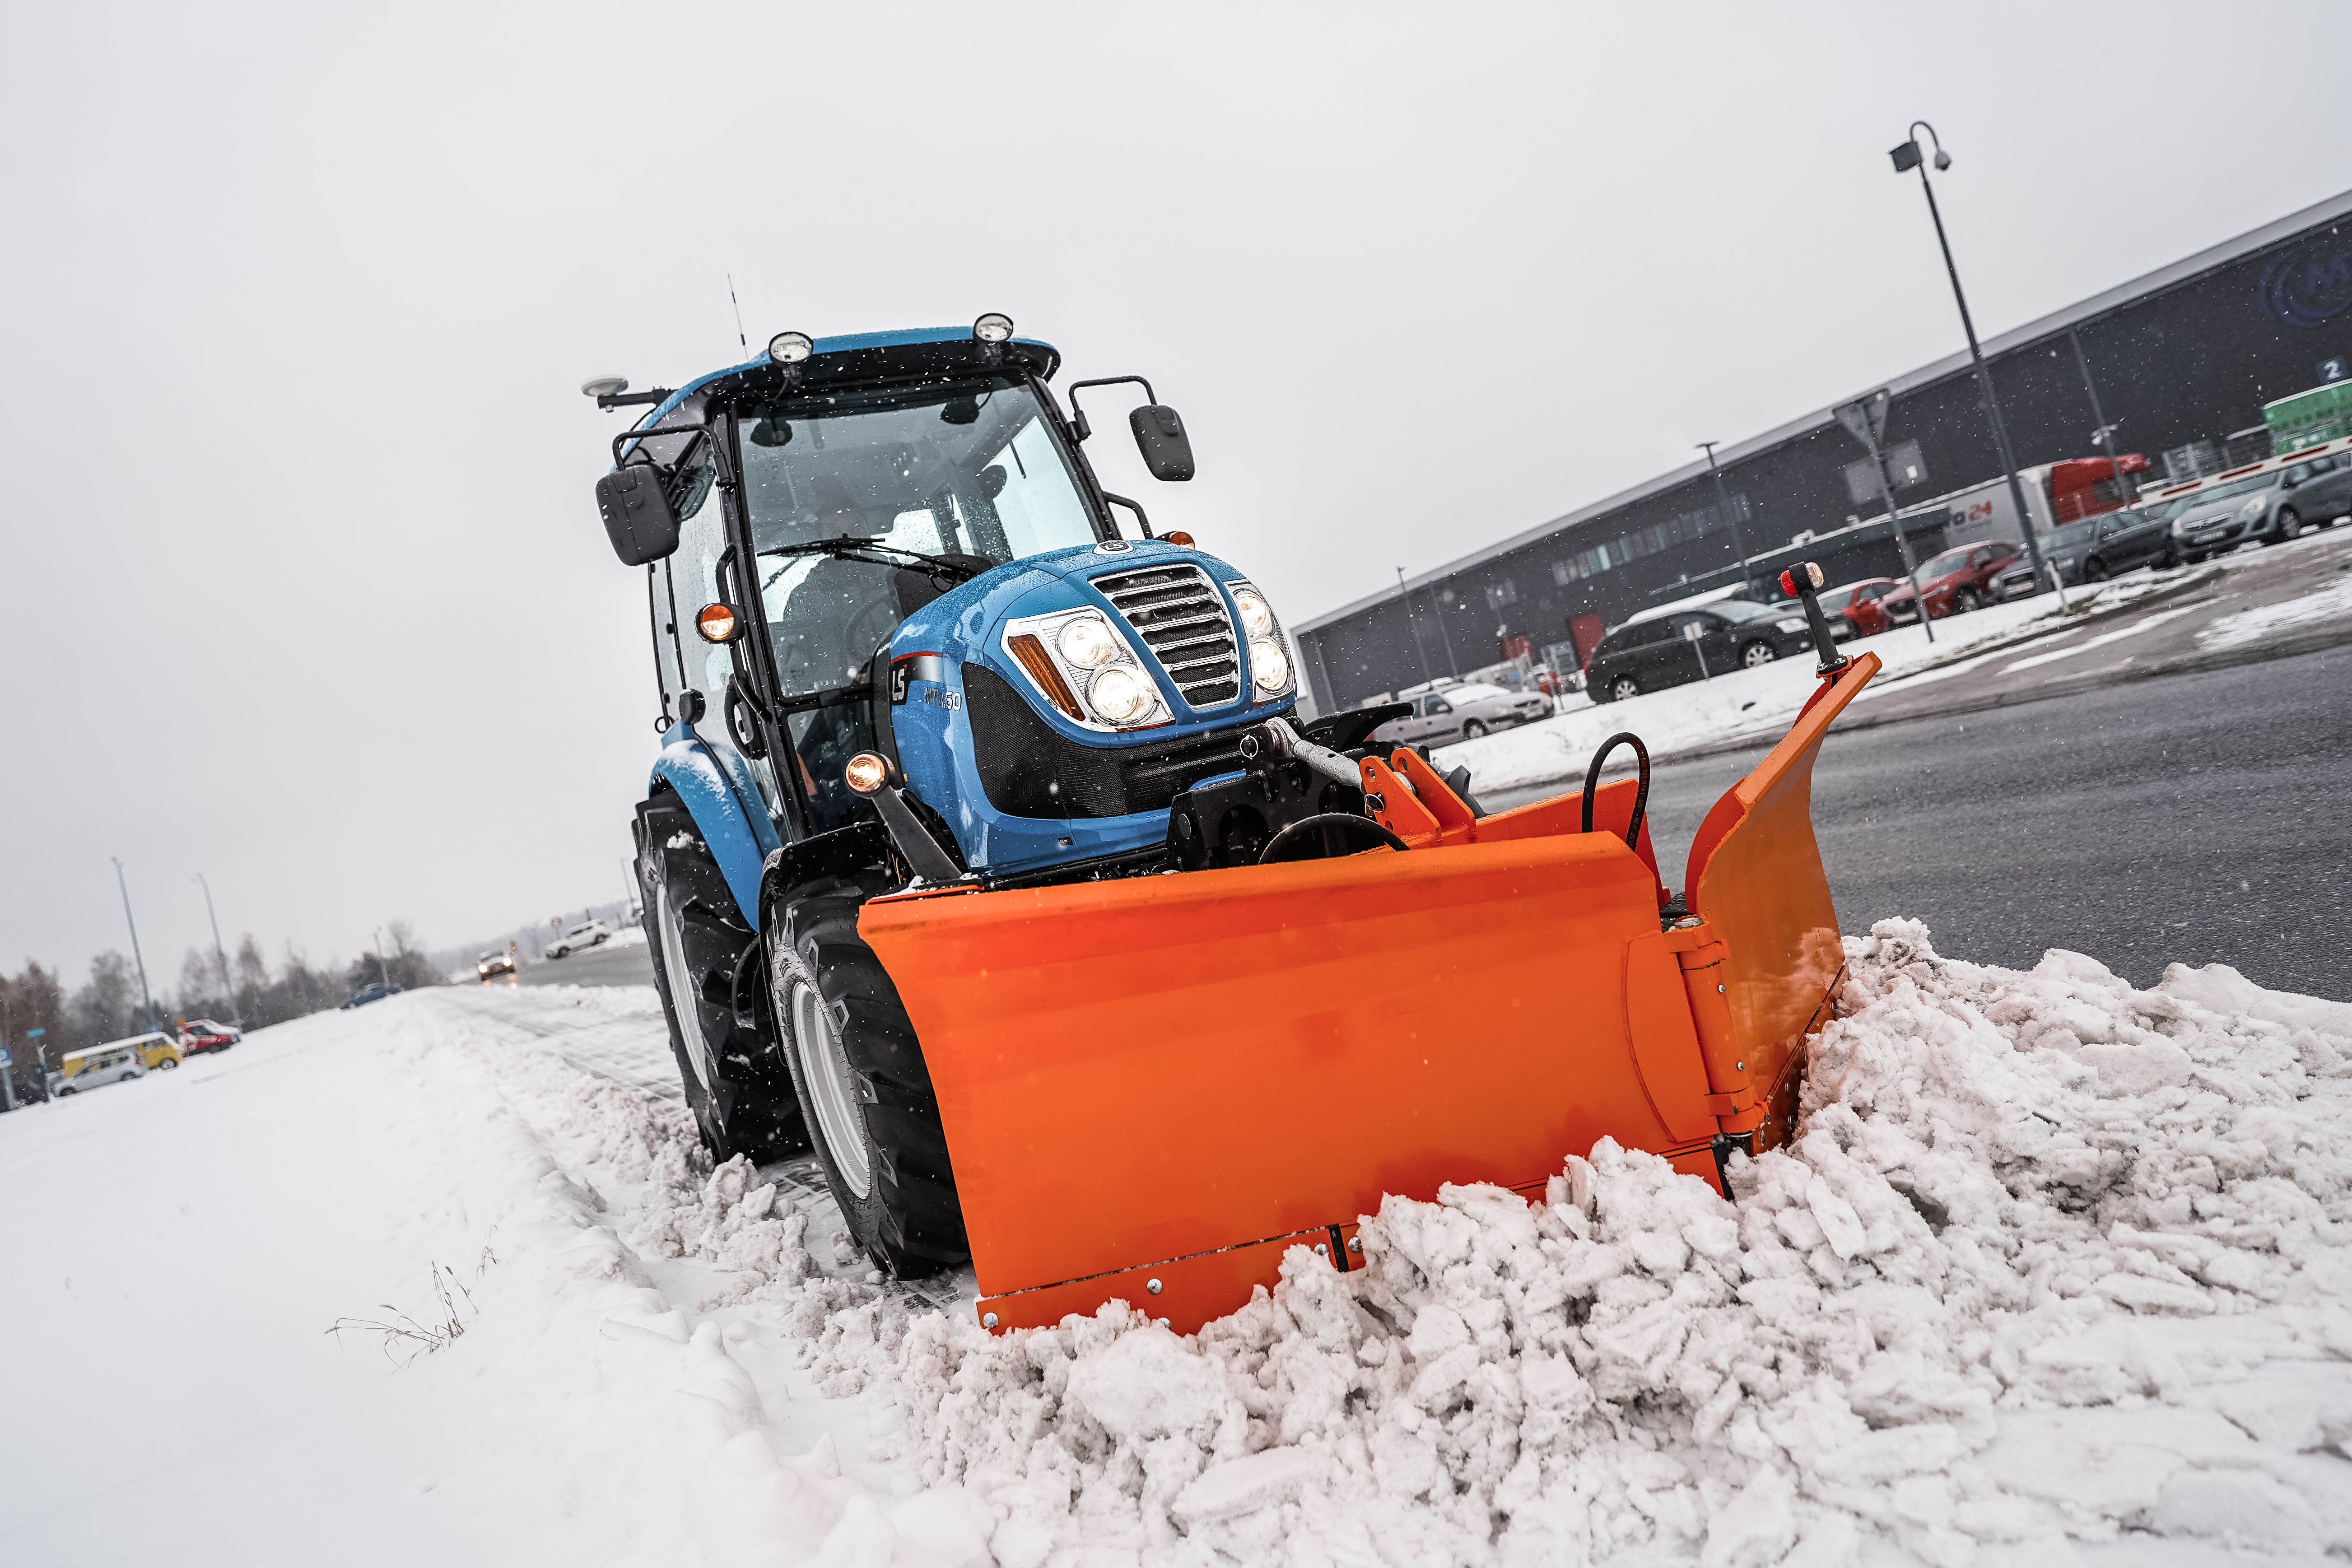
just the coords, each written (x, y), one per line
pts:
(681, 987)
(1758, 653)
(1623, 688)
(832, 1090)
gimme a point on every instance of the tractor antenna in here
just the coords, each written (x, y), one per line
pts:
(739, 315)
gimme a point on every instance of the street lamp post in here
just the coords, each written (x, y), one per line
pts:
(2126, 490)
(380, 972)
(1723, 500)
(1907, 157)
(228, 991)
(145, 1001)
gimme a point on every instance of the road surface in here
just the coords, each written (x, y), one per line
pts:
(2197, 817)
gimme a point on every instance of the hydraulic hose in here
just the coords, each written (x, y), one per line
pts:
(1641, 791)
(1340, 822)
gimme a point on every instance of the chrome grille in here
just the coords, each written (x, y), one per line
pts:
(1181, 618)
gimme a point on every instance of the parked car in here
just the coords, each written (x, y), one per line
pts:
(367, 994)
(118, 1062)
(2272, 506)
(201, 1034)
(1854, 609)
(498, 961)
(2091, 550)
(590, 933)
(1463, 713)
(1659, 648)
(1959, 579)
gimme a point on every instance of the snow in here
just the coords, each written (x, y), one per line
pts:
(1762, 702)
(2057, 1270)
(2331, 602)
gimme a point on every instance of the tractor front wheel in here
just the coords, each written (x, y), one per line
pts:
(735, 1082)
(864, 1093)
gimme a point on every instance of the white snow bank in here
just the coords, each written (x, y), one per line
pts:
(2331, 602)
(2056, 1269)
(1759, 701)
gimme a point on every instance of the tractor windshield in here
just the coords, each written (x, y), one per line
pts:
(969, 469)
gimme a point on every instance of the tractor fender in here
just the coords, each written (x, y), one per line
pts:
(716, 789)
(834, 857)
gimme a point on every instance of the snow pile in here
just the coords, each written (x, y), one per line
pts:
(2053, 1260)
(2329, 603)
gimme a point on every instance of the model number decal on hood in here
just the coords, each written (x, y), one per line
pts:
(914, 666)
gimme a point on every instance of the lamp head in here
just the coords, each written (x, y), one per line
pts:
(1943, 160)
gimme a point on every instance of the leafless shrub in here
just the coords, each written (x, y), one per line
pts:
(404, 1337)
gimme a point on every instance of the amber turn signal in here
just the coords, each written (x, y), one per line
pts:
(1031, 655)
(865, 773)
(1181, 539)
(717, 623)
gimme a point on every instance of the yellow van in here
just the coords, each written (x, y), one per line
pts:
(116, 1062)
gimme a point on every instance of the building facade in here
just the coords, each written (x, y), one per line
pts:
(2182, 361)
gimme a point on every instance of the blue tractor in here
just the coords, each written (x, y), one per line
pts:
(903, 643)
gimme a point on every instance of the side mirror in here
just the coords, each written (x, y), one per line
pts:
(637, 515)
(1159, 437)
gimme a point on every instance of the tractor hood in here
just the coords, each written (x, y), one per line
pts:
(1039, 743)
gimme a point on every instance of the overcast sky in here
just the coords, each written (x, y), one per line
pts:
(304, 585)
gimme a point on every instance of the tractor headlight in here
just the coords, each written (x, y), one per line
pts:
(1268, 665)
(791, 348)
(1256, 615)
(1086, 642)
(1119, 694)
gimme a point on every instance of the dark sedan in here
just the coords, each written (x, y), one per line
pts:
(376, 992)
(1959, 579)
(2091, 550)
(1666, 648)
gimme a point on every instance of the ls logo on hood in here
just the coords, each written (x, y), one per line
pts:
(909, 667)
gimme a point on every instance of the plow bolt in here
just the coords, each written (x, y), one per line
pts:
(988, 1320)
(1152, 1286)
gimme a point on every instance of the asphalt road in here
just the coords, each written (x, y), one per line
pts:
(607, 966)
(2197, 817)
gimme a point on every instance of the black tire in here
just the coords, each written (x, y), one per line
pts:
(1472, 729)
(1964, 600)
(733, 1075)
(863, 1091)
(2286, 528)
(1757, 655)
(1621, 687)
(167, 1065)
(2095, 572)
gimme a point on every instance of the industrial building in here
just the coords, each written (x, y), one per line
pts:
(2182, 360)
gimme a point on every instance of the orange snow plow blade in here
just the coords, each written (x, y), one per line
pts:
(1152, 1087)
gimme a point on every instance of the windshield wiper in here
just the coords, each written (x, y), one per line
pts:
(850, 548)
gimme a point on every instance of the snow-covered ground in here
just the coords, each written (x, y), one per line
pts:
(2058, 1270)
(1759, 701)
(2328, 604)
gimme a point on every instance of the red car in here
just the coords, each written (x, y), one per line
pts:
(198, 1035)
(1856, 607)
(1959, 579)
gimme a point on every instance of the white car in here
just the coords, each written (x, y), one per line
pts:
(1463, 713)
(595, 934)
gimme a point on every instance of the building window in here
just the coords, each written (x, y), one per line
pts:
(1501, 593)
